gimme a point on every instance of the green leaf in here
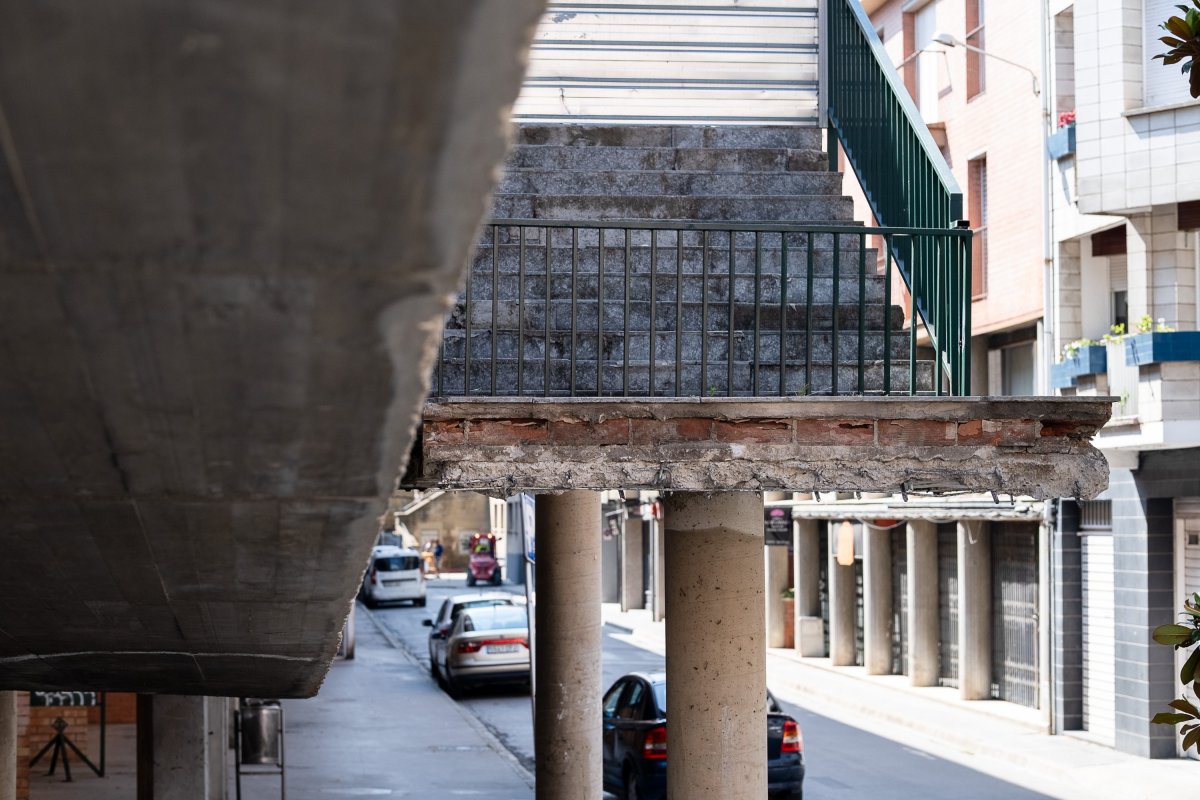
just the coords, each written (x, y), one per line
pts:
(1189, 728)
(1172, 634)
(1171, 41)
(1167, 718)
(1187, 674)
(1192, 739)
(1185, 707)
(1170, 59)
(1177, 26)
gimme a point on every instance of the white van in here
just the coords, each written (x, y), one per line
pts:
(395, 573)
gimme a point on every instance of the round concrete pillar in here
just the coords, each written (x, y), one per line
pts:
(716, 647)
(567, 712)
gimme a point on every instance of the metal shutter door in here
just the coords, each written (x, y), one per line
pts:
(673, 61)
(1015, 613)
(948, 603)
(1099, 681)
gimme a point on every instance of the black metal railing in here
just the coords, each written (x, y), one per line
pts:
(675, 308)
(904, 177)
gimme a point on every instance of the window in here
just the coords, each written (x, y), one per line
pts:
(976, 82)
(922, 66)
(397, 563)
(1164, 85)
(977, 210)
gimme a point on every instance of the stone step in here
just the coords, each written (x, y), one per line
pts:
(585, 260)
(692, 183)
(797, 344)
(693, 380)
(695, 287)
(508, 316)
(716, 241)
(712, 136)
(817, 209)
(732, 159)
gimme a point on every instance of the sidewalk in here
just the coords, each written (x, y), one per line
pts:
(993, 737)
(378, 728)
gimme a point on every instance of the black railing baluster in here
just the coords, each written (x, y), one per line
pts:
(679, 313)
(549, 312)
(835, 306)
(862, 311)
(600, 318)
(808, 314)
(495, 306)
(704, 313)
(467, 311)
(757, 307)
(783, 307)
(887, 314)
(574, 300)
(653, 307)
(625, 341)
(729, 390)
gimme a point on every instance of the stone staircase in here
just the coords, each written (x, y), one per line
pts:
(713, 290)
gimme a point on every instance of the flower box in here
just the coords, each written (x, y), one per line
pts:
(1062, 142)
(1149, 348)
(1088, 360)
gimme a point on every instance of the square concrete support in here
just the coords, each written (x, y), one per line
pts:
(775, 562)
(633, 593)
(974, 610)
(8, 745)
(716, 647)
(182, 743)
(877, 601)
(923, 666)
(842, 626)
(806, 570)
(567, 733)
(658, 552)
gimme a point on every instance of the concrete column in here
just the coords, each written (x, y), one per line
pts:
(775, 565)
(806, 568)
(633, 593)
(716, 653)
(923, 625)
(567, 716)
(877, 601)
(181, 747)
(8, 745)
(659, 550)
(842, 644)
(974, 610)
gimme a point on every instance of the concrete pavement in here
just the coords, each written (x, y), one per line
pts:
(990, 737)
(379, 727)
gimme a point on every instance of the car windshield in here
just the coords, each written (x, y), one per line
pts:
(396, 563)
(495, 618)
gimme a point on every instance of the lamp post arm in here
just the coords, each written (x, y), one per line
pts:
(1036, 89)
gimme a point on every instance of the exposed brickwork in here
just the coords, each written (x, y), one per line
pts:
(507, 431)
(610, 431)
(444, 433)
(670, 431)
(1007, 432)
(915, 432)
(762, 431)
(832, 431)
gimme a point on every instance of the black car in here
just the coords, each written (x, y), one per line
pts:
(635, 742)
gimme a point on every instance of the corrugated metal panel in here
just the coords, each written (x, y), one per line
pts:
(1099, 655)
(948, 603)
(701, 61)
(860, 614)
(1015, 613)
(823, 583)
(899, 601)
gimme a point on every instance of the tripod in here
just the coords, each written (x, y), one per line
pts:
(60, 743)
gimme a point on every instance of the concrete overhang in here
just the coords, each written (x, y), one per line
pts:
(229, 234)
(1038, 447)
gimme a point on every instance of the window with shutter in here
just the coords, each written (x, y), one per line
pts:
(1164, 85)
(978, 212)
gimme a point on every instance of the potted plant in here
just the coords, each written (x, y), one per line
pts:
(1080, 357)
(1155, 341)
(789, 617)
(1184, 43)
(1062, 142)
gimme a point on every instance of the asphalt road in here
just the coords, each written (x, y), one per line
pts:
(843, 761)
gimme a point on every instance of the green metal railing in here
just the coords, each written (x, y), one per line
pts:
(906, 181)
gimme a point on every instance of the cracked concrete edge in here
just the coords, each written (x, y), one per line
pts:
(493, 742)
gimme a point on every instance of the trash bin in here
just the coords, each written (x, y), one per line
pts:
(261, 729)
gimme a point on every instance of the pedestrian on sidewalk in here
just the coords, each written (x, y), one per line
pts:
(438, 550)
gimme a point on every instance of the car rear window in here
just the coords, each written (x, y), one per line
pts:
(495, 618)
(397, 563)
(660, 697)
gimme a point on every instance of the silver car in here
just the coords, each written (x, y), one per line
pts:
(487, 645)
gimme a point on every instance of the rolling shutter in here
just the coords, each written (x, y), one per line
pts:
(947, 534)
(1015, 612)
(899, 601)
(1099, 658)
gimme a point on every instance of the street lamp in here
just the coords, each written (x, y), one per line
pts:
(947, 40)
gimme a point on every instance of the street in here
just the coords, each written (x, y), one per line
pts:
(842, 760)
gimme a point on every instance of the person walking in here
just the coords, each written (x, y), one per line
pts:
(438, 550)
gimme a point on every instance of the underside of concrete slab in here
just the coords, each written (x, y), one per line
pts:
(229, 234)
(1038, 447)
